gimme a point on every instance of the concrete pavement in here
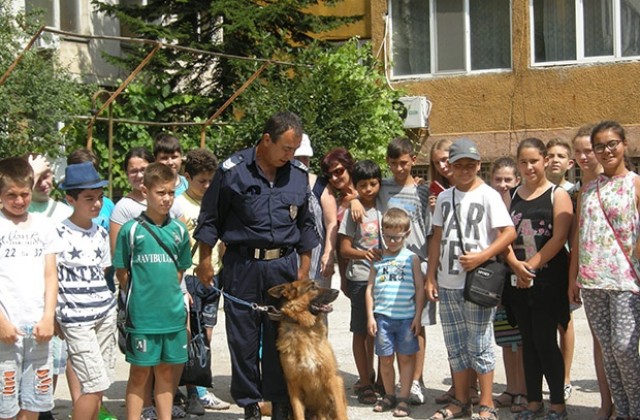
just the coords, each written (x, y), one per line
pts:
(582, 404)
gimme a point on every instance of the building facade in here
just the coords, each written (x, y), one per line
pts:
(499, 71)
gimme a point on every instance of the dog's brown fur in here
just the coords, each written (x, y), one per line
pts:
(307, 358)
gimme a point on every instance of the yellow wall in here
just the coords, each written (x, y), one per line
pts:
(508, 105)
(362, 28)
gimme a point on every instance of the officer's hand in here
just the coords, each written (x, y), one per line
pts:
(204, 272)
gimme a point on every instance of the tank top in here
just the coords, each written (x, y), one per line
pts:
(394, 290)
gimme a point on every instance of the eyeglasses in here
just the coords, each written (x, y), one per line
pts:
(611, 145)
(338, 172)
(395, 238)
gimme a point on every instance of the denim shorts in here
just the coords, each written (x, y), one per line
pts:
(92, 352)
(394, 336)
(357, 291)
(26, 377)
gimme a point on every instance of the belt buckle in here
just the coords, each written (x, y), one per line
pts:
(271, 254)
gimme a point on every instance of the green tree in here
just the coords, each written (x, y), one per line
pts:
(38, 95)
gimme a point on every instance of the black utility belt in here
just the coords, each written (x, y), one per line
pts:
(264, 254)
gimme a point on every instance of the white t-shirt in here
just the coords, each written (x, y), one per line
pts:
(127, 209)
(55, 210)
(23, 248)
(83, 294)
(481, 212)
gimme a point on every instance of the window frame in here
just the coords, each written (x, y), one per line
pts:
(580, 58)
(433, 46)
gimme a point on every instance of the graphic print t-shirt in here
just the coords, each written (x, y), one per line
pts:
(366, 235)
(481, 212)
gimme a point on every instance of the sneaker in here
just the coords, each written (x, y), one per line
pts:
(212, 402)
(416, 396)
(554, 415)
(177, 412)
(194, 406)
(105, 414)
(179, 398)
(149, 413)
(252, 412)
(568, 388)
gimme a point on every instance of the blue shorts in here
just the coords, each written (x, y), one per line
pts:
(26, 377)
(357, 291)
(394, 336)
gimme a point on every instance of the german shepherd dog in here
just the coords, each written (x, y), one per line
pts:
(308, 361)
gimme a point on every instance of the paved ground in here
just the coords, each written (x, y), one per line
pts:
(582, 405)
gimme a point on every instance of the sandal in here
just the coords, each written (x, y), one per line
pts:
(385, 404)
(402, 409)
(446, 414)
(520, 404)
(446, 397)
(530, 414)
(366, 395)
(493, 413)
(499, 401)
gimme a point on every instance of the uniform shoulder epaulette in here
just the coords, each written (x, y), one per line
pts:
(232, 162)
(297, 164)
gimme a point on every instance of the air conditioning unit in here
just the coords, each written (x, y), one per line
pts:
(47, 41)
(418, 109)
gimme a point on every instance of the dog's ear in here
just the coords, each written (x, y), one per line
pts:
(277, 291)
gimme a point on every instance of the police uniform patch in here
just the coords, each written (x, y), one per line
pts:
(231, 162)
(293, 211)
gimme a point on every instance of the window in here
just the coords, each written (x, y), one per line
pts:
(66, 15)
(449, 36)
(585, 30)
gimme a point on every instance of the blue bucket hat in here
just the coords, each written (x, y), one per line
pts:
(81, 176)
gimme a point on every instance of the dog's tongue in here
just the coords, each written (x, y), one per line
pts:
(325, 307)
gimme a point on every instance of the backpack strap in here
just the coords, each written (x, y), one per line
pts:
(319, 186)
(145, 225)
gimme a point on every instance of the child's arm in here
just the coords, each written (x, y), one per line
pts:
(122, 275)
(8, 332)
(574, 290)
(43, 330)
(372, 327)
(506, 235)
(521, 269)
(418, 281)
(431, 285)
(357, 210)
(636, 184)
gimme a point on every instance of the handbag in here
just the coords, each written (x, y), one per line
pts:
(197, 369)
(484, 284)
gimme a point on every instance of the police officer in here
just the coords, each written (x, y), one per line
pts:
(257, 205)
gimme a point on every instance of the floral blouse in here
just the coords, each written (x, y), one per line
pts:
(602, 261)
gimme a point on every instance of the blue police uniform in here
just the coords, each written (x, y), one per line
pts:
(263, 225)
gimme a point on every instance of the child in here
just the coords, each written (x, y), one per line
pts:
(156, 314)
(360, 245)
(395, 298)
(200, 166)
(28, 293)
(487, 231)
(537, 293)
(504, 178)
(560, 162)
(167, 150)
(402, 191)
(439, 170)
(607, 268)
(86, 307)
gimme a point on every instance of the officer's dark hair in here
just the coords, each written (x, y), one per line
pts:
(282, 122)
(365, 169)
(398, 147)
(337, 155)
(139, 152)
(17, 171)
(156, 173)
(198, 161)
(166, 143)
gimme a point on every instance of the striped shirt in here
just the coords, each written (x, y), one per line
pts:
(394, 292)
(83, 294)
